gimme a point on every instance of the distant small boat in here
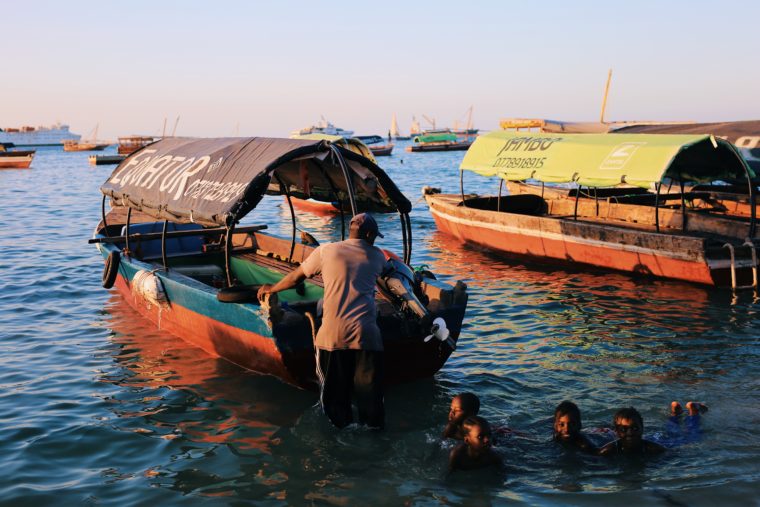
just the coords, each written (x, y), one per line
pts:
(375, 146)
(468, 130)
(438, 141)
(91, 144)
(395, 133)
(130, 144)
(15, 159)
(106, 159)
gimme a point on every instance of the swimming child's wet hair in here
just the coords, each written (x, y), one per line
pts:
(475, 420)
(628, 413)
(568, 408)
(470, 403)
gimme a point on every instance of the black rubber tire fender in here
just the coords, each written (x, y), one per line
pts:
(111, 269)
(239, 294)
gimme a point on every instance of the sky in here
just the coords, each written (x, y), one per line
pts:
(227, 68)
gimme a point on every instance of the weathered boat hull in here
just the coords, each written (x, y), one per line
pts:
(240, 333)
(461, 146)
(16, 159)
(381, 151)
(601, 245)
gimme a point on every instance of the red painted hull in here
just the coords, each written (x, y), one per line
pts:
(16, 159)
(244, 348)
(550, 238)
(406, 359)
(318, 207)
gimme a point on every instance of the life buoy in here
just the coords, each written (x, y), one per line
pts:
(111, 269)
(239, 294)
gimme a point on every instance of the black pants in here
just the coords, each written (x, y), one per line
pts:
(342, 373)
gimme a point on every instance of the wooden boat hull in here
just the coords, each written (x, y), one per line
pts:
(381, 150)
(564, 240)
(459, 146)
(16, 159)
(84, 147)
(241, 334)
(318, 207)
(106, 159)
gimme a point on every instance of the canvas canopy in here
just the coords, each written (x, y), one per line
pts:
(217, 181)
(601, 160)
(352, 143)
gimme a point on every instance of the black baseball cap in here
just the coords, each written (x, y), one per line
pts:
(367, 224)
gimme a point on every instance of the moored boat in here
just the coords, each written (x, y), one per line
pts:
(175, 251)
(15, 159)
(658, 236)
(376, 145)
(130, 144)
(90, 144)
(438, 141)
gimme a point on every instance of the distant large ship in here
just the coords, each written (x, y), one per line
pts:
(323, 127)
(54, 135)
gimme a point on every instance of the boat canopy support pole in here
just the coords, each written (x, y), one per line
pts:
(103, 213)
(577, 198)
(657, 187)
(227, 250)
(461, 186)
(347, 176)
(126, 233)
(337, 198)
(286, 191)
(683, 207)
(163, 245)
(498, 199)
(404, 239)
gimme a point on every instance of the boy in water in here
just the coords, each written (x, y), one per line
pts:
(567, 428)
(463, 405)
(475, 451)
(629, 428)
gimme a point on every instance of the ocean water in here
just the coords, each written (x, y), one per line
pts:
(97, 407)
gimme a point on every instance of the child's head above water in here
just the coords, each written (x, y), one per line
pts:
(629, 425)
(567, 420)
(477, 433)
(462, 406)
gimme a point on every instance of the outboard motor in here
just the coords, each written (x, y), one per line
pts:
(397, 284)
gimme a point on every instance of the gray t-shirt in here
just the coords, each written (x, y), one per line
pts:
(349, 270)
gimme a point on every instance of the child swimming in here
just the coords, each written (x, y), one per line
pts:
(476, 451)
(629, 429)
(462, 406)
(567, 428)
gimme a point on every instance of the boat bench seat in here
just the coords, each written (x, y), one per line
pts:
(151, 248)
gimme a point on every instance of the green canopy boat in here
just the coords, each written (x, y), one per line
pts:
(670, 235)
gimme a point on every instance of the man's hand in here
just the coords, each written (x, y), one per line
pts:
(264, 290)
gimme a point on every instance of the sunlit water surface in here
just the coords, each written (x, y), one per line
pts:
(98, 407)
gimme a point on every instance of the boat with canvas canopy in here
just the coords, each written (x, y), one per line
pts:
(175, 249)
(658, 236)
(441, 140)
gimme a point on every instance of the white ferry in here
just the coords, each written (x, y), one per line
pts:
(54, 135)
(323, 127)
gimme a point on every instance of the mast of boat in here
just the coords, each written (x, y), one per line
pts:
(176, 122)
(95, 134)
(604, 100)
(468, 128)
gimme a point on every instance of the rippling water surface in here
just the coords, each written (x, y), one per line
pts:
(98, 407)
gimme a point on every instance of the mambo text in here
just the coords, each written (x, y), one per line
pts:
(528, 143)
(172, 172)
(519, 163)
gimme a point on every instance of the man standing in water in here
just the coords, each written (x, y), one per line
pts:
(348, 345)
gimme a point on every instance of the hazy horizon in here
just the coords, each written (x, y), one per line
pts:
(235, 68)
